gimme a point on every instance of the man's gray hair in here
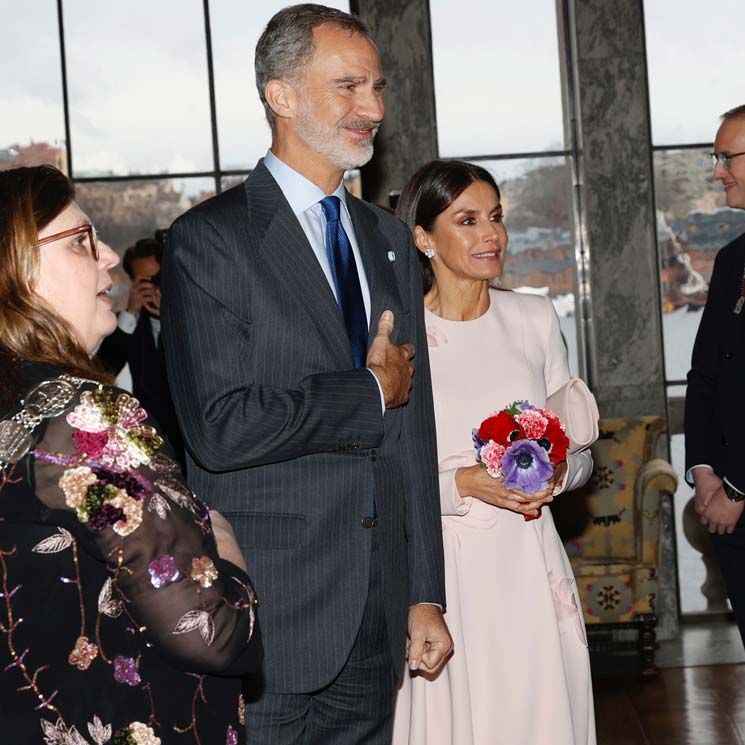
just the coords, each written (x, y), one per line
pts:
(287, 43)
(737, 113)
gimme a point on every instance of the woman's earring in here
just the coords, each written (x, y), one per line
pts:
(430, 253)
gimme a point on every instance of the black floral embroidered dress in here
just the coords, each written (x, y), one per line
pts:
(119, 623)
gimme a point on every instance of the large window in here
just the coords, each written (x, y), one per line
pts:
(32, 120)
(498, 94)
(149, 107)
(693, 79)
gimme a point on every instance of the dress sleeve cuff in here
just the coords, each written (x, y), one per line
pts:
(451, 502)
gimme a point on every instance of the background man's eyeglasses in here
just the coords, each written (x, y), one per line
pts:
(724, 158)
(87, 228)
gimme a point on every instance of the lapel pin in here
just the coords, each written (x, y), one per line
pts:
(391, 256)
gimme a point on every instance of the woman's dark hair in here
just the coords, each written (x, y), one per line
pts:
(30, 199)
(429, 192)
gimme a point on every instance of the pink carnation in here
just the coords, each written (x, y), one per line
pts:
(491, 456)
(533, 422)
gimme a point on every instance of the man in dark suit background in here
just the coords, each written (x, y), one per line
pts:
(291, 308)
(136, 341)
(715, 398)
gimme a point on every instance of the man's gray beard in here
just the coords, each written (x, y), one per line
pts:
(328, 143)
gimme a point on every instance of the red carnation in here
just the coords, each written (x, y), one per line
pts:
(501, 428)
(559, 441)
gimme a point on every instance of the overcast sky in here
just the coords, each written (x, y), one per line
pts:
(139, 95)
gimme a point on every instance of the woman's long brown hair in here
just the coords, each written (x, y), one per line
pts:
(30, 331)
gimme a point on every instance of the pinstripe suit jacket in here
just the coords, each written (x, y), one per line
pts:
(286, 438)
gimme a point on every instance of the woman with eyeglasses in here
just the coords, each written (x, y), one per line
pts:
(126, 614)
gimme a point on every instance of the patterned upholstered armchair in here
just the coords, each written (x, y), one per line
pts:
(614, 545)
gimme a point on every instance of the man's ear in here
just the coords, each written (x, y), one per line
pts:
(422, 239)
(281, 97)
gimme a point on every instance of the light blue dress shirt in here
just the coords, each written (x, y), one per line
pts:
(305, 198)
(305, 201)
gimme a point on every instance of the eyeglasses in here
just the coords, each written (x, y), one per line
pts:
(87, 228)
(724, 159)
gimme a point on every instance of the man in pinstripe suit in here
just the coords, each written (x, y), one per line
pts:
(292, 311)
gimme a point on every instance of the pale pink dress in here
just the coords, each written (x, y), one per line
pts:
(520, 673)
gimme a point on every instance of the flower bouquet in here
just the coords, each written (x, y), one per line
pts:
(521, 444)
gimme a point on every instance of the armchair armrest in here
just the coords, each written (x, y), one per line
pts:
(655, 477)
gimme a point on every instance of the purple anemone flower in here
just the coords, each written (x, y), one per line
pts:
(478, 443)
(526, 467)
(524, 406)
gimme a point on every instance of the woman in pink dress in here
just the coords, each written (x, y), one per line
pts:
(520, 672)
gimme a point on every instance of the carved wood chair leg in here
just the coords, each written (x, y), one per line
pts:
(646, 623)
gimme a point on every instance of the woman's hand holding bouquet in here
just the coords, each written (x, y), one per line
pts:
(523, 450)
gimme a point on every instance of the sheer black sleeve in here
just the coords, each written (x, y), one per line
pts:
(103, 460)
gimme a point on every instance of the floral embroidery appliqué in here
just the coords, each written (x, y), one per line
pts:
(128, 443)
(98, 503)
(203, 571)
(163, 571)
(83, 653)
(125, 671)
(136, 733)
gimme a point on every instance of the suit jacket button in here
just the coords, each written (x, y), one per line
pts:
(724, 442)
(368, 522)
(728, 355)
(373, 455)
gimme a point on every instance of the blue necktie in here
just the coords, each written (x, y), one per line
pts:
(346, 280)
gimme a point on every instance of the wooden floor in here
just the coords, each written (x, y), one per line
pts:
(682, 706)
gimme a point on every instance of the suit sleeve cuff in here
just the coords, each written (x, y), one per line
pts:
(689, 472)
(380, 390)
(126, 322)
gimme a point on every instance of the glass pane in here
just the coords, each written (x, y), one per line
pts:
(497, 77)
(125, 211)
(228, 182)
(693, 223)
(32, 125)
(236, 26)
(536, 196)
(691, 568)
(694, 70)
(138, 87)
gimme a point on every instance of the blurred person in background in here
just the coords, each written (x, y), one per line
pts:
(121, 596)
(136, 341)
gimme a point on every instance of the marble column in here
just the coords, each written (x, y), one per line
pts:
(617, 227)
(408, 137)
(617, 215)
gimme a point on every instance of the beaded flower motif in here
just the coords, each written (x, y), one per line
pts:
(203, 571)
(98, 503)
(125, 671)
(136, 733)
(110, 429)
(163, 571)
(83, 653)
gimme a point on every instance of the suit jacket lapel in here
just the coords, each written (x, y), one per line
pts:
(285, 248)
(374, 249)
